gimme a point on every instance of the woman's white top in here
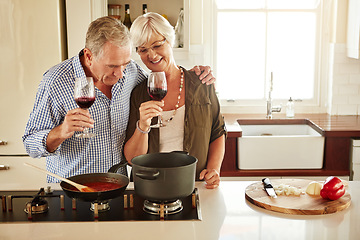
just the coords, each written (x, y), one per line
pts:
(172, 135)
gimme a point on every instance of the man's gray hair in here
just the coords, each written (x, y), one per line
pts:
(103, 30)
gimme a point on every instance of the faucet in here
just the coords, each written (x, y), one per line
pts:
(269, 108)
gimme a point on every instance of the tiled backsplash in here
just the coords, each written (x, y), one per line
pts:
(344, 83)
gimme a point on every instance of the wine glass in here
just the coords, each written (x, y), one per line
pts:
(84, 95)
(157, 89)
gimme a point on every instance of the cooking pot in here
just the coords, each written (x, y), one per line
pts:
(164, 176)
(110, 177)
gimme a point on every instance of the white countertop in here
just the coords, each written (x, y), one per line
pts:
(225, 215)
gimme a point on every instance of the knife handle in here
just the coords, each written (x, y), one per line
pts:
(266, 182)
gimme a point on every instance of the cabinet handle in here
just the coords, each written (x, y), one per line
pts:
(4, 167)
(3, 142)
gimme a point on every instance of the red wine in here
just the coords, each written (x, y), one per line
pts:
(85, 102)
(157, 93)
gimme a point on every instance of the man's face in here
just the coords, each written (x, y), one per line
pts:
(109, 66)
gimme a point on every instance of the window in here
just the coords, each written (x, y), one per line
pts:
(255, 38)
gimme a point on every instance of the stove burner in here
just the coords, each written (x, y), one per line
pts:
(155, 208)
(36, 205)
(39, 206)
(58, 207)
(101, 206)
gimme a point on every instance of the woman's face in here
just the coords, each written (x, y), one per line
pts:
(156, 54)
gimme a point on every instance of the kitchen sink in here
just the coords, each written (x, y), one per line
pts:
(280, 144)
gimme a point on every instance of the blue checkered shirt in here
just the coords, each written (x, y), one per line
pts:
(80, 155)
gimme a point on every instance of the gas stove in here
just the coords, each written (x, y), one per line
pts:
(46, 205)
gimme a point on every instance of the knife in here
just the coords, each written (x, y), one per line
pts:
(269, 188)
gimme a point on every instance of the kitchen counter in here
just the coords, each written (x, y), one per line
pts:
(337, 130)
(225, 215)
(334, 125)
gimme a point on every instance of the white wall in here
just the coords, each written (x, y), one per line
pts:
(345, 82)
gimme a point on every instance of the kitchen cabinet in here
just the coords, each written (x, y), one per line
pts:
(78, 21)
(32, 40)
(169, 8)
(21, 177)
(337, 130)
(355, 159)
(79, 14)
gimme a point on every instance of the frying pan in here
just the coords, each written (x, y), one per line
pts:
(98, 196)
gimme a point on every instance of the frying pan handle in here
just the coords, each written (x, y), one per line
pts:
(116, 167)
(147, 175)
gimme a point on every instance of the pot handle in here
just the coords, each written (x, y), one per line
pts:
(147, 175)
(116, 167)
(183, 152)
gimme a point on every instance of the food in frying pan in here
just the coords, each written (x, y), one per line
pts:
(100, 186)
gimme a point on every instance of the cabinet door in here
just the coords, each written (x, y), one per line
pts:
(30, 44)
(355, 160)
(79, 14)
(20, 177)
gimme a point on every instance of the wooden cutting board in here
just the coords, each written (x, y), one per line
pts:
(299, 205)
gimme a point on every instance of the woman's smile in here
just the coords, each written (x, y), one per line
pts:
(156, 61)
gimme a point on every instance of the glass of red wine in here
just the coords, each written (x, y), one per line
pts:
(84, 95)
(157, 89)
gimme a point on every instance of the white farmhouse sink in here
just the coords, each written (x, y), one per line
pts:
(280, 145)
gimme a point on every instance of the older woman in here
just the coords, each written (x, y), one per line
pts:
(190, 109)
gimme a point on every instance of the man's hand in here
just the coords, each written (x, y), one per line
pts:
(75, 120)
(205, 74)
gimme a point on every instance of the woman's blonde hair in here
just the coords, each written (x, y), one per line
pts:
(145, 25)
(103, 30)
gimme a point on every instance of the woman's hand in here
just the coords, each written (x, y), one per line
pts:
(205, 73)
(138, 143)
(148, 110)
(211, 177)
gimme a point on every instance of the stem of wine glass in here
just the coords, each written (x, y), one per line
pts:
(160, 121)
(86, 131)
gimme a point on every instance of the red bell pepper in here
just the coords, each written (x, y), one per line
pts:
(332, 189)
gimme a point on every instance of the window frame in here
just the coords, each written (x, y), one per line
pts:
(318, 103)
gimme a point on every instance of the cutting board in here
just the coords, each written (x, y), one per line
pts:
(299, 205)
